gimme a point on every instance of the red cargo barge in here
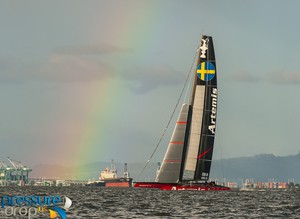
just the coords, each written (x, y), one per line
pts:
(109, 178)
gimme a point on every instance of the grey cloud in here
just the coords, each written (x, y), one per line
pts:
(84, 64)
(59, 68)
(65, 64)
(284, 77)
(245, 77)
(96, 49)
(13, 70)
(71, 68)
(146, 78)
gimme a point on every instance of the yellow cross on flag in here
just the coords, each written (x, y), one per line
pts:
(206, 71)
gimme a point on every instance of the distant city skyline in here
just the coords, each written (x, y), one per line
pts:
(98, 80)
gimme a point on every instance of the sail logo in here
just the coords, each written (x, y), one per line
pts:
(213, 115)
(204, 47)
(206, 71)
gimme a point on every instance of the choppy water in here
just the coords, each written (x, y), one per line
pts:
(99, 202)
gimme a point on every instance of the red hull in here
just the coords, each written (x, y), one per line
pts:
(175, 186)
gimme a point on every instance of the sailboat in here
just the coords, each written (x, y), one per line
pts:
(187, 161)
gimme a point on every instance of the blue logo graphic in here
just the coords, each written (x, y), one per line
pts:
(56, 211)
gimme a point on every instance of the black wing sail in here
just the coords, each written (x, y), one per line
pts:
(203, 104)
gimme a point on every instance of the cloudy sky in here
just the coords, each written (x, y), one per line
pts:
(84, 81)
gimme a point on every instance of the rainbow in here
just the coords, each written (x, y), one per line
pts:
(138, 29)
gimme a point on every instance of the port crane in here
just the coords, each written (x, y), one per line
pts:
(16, 171)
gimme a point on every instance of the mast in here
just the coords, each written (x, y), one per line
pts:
(209, 114)
(126, 173)
(201, 128)
(189, 153)
(113, 167)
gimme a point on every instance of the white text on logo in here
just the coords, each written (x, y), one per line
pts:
(213, 115)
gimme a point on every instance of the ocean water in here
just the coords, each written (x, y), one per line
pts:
(97, 202)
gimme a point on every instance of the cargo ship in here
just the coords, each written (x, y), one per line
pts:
(109, 178)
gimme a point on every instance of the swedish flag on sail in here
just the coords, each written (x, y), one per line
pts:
(206, 71)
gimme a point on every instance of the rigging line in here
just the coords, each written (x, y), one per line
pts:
(164, 132)
(189, 78)
(186, 92)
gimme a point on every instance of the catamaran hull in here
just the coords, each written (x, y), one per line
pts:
(176, 186)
